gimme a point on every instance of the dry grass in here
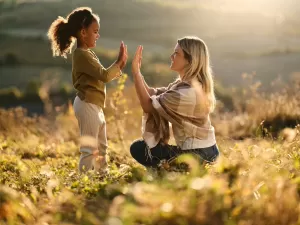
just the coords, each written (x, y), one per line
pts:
(259, 114)
(256, 180)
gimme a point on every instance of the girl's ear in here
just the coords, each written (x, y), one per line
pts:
(83, 32)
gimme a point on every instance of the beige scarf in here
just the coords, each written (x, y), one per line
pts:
(180, 105)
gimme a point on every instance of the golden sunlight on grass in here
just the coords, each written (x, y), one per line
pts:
(255, 181)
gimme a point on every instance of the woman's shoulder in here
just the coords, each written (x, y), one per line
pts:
(181, 90)
(188, 90)
(182, 85)
(176, 84)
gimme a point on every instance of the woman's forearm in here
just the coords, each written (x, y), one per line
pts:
(150, 90)
(142, 92)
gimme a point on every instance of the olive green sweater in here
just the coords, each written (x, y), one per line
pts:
(89, 76)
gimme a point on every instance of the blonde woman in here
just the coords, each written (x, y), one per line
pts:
(185, 103)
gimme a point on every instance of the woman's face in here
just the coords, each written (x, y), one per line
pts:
(178, 62)
(90, 35)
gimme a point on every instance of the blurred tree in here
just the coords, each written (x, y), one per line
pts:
(10, 95)
(8, 4)
(10, 59)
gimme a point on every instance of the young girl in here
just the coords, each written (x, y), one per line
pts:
(185, 103)
(89, 78)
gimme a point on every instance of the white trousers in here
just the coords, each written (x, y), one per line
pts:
(92, 126)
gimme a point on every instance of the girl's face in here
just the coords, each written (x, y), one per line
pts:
(90, 34)
(178, 62)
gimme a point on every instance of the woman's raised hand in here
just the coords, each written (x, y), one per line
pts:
(137, 60)
(122, 58)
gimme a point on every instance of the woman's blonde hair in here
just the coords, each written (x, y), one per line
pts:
(196, 53)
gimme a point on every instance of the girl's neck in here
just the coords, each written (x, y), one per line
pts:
(82, 46)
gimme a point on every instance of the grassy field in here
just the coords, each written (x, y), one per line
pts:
(255, 181)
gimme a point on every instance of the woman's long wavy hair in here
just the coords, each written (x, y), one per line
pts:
(196, 53)
(63, 32)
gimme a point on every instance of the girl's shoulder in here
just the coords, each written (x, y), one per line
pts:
(80, 53)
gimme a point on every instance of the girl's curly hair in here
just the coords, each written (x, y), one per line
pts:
(63, 32)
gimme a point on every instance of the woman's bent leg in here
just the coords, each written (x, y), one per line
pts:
(209, 154)
(139, 152)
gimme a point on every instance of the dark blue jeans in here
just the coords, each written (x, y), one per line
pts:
(139, 152)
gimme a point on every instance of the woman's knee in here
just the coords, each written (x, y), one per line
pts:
(209, 154)
(137, 148)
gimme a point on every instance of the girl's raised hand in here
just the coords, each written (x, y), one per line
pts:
(122, 58)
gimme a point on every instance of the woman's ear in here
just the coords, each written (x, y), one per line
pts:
(187, 63)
